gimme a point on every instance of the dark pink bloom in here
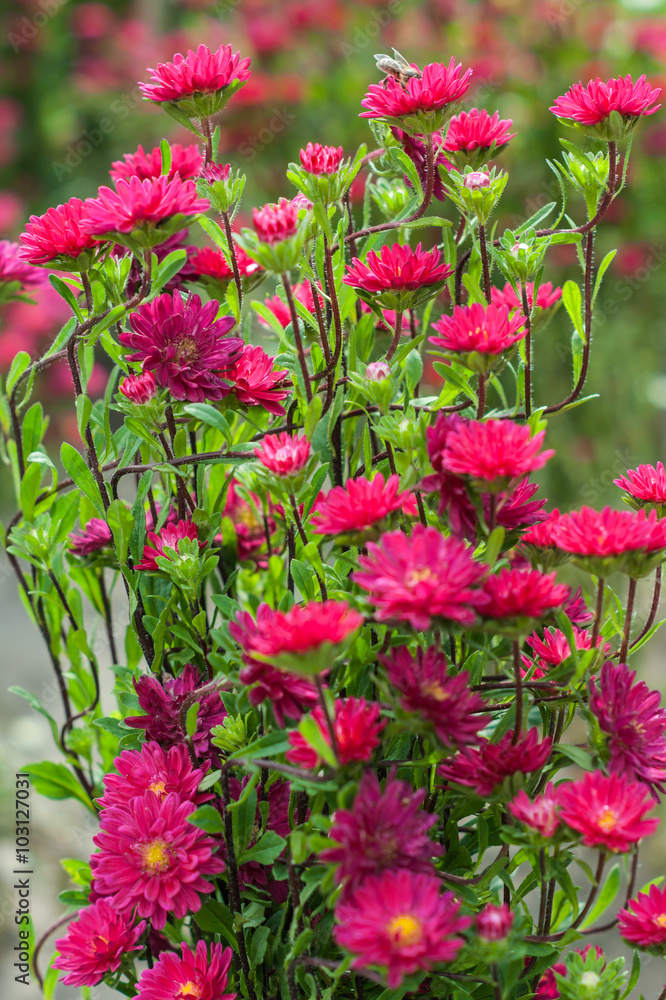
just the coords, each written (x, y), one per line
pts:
(289, 694)
(358, 505)
(213, 172)
(646, 483)
(168, 536)
(318, 159)
(162, 703)
(593, 103)
(402, 922)
(541, 535)
(60, 232)
(184, 345)
(136, 204)
(282, 454)
(14, 268)
(356, 725)
(213, 263)
(151, 769)
(476, 129)
(493, 451)
(384, 830)
(200, 72)
(421, 577)
(194, 975)
(577, 610)
(523, 593)
(539, 814)
(95, 536)
(516, 509)
(608, 810)
(443, 700)
(643, 921)
(96, 943)
(254, 381)
(247, 520)
(485, 767)
(152, 860)
(139, 389)
(553, 648)
(494, 923)
(396, 267)
(547, 296)
(486, 329)
(276, 222)
(608, 532)
(437, 87)
(632, 716)
(185, 161)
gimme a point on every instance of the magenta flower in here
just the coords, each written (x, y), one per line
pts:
(494, 923)
(547, 296)
(95, 536)
(162, 703)
(15, 269)
(401, 922)
(540, 814)
(436, 89)
(356, 726)
(210, 263)
(198, 73)
(632, 716)
(282, 454)
(169, 536)
(643, 921)
(421, 577)
(384, 830)
(95, 944)
(493, 452)
(289, 695)
(397, 268)
(592, 104)
(603, 541)
(58, 237)
(318, 159)
(516, 509)
(485, 767)
(254, 381)
(553, 648)
(152, 860)
(276, 222)
(151, 769)
(139, 389)
(474, 129)
(476, 330)
(184, 345)
(194, 975)
(137, 204)
(523, 593)
(185, 161)
(445, 701)
(608, 810)
(244, 511)
(646, 483)
(358, 505)
(213, 172)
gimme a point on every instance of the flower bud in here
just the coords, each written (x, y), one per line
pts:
(377, 371)
(494, 922)
(139, 389)
(476, 179)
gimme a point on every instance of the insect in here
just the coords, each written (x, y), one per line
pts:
(396, 66)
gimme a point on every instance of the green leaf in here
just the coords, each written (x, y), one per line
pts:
(207, 818)
(121, 523)
(269, 745)
(605, 899)
(573, 304)
(81, 475)
(67, 294)
(265, 852)
(55, 781)
(191, 719)
(20, 363)
(35, 703)
(51, 979)
(577, 755)
(211, 416)
(603, 267)
(310, 731)
(165, 150)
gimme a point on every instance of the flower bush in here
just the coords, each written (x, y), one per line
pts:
(331, 765)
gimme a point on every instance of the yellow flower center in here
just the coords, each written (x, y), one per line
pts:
(436, 691)
(661, 920)
(405, 929)
(156, 856)
(416, 576)
(607, 819)
(157, 786)
(189, 989)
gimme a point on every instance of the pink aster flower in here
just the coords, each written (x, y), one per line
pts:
(401, 922)
(276, 222)
(213, 172)
(151, 769)
(385, 829)
(185, 161)
(301, 291)
(184, 345)
(168, 536)
(523, 593)
(356, 726)
(213, 264)
(358, 505)
(200, 72)
(396, 268)
(13, 268)
(139, 389)
(577, 610)
(421, 577)
(244, 510)
(494, 451)
(632, 716)
(58, 235)
(194, 974)
(608, 810)
(541, 535)
(476, 129)
(485, 767)
(444, 701)
(254, 381)
(95, 944)
(318, 159)
(494, 923)
(646, 483)
(539, 814)
(136, 204)
(289, 695)
(282, 454)
(612, 534)
(95, 536)
(553, 648)
(547, 296)
(436, 88)
(162, 702)
(517, 509)
(643, 921)
(152, 860)
(483, 329)
(593, 103)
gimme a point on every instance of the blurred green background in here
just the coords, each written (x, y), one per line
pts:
(70, 106)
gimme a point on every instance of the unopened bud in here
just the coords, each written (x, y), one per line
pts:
(476, 179)
(377, 371)
(212, 172)
(494, 922)
(590, 979)
(519, 248)
(139, 388)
